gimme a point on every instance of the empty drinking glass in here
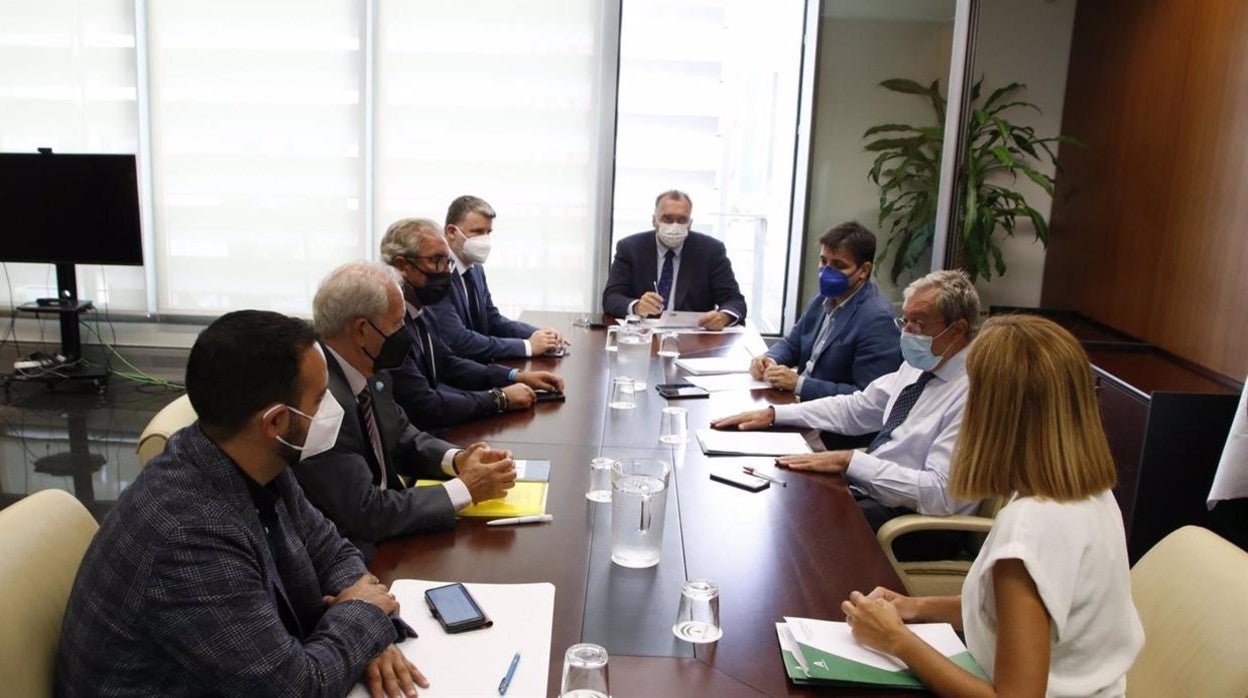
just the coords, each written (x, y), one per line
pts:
(669, 344)
(600, 480)
(697, 620)
(674, 425)
(623, 394)
(585, 672)
(613, 338)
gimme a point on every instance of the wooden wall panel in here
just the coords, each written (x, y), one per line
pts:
(1150, 225)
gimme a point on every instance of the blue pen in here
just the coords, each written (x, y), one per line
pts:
(511, 671)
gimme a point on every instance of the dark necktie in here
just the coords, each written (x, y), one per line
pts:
(364, 403)
(665, 278)
(901, 409)
(426, 351)
(475, 321)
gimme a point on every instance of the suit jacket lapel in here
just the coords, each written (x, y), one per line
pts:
(459, 296)
(379, 386)
(647, 266)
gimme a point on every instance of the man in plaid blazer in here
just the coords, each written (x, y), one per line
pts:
(213, 574)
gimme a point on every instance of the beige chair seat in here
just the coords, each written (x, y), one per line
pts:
(935, 577)
(1191, 591)
(42, 540)
(169, 419)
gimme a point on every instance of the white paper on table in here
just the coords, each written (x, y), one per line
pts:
(675, 318)
(715, 364)
(471, 664)
(836, 638)
(751, 443)
(1230, 481)
(728, 381)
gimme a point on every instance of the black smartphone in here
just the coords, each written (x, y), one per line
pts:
(557, 352)
(681, 391)
(743, 480)
(549, 396)
(455, 608)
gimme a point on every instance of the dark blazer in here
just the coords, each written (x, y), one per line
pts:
(174, 596)
(342, 482)
(485, 336)
(442, 389)
(705, 281)
(864, 345)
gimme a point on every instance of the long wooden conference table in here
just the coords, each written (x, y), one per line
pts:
(785, 551)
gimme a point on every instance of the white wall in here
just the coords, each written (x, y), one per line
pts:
(855, 56)
(1025, 41)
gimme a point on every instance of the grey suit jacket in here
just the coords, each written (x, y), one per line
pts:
(343, 483)
(175, 598)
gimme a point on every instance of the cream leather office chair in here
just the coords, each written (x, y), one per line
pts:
(169, 419)
(935, 577)
(42, 540)
(1191, 591)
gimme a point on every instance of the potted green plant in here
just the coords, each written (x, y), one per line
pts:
(907, 171)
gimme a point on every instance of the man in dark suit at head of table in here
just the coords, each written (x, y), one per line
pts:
(674, 268)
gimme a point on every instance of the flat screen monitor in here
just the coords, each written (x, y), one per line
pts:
(69, 209)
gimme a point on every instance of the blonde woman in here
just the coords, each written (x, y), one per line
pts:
(1046, 608)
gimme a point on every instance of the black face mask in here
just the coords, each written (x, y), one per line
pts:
(393, 350)
(437, 285)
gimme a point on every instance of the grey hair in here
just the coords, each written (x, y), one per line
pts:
(957, 298)
(355, 289)
(403, 236)
(672, 194)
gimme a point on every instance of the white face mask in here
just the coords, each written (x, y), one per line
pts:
(672, 235)
(323, 433)
(477, 249)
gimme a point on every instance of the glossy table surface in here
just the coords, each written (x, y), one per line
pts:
(785, 551)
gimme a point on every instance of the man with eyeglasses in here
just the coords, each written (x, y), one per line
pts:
(435, 387)
(363, 483)
(916, 410)
(846, 337)
(673, 268)
(472, 327)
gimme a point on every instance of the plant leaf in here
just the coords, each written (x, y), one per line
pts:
(904, 86)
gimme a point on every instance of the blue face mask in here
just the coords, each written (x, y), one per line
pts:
(916, 349)
(832, 282)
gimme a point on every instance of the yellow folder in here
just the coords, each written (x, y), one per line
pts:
(525, 499)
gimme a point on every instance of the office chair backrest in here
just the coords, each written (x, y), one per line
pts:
(1191, 591)
(169, 419)
(42, 540)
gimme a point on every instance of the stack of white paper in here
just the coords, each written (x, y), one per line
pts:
(751, 443)
(471, 664)
(715, 364)
(728, 381)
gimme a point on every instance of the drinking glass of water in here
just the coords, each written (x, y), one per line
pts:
(669, 344)
(697, 620)
(600, 480)
(613, 338)
(674, 425)
(584, 672)
(623, 394)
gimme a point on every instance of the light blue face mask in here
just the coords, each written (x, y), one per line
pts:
(916, 349)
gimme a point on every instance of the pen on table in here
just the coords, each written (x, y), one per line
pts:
(766, 477)
(511, 671)
(536, 518)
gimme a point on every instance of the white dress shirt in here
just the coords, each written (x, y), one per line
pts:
(462, 267)
(911, 469)
(455, 488)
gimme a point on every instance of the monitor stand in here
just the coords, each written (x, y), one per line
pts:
(69, 309)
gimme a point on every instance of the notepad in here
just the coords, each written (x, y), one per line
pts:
(751, 443)
(715, 364)
(823, 652)
(525, 499)
(728, 381)
(470, 665)
(532, 471)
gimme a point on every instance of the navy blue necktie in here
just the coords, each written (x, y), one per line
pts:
(901, 409)
(665, 278)
(474, 306)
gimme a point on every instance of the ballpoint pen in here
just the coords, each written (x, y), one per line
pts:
(511, 671)
(766, 477)
(536, 518)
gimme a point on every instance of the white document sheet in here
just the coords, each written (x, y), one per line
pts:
(837, 639)
(751, 443)
(471, 664)
(728, 381)
(712, 365)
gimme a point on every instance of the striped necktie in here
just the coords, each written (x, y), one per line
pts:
(364, 402)
(901, 409)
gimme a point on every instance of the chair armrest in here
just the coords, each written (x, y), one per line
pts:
(910, 523)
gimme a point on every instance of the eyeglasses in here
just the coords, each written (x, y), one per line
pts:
(440, 262)
(903, 323)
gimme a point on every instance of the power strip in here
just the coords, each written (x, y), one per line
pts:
(41, 363)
